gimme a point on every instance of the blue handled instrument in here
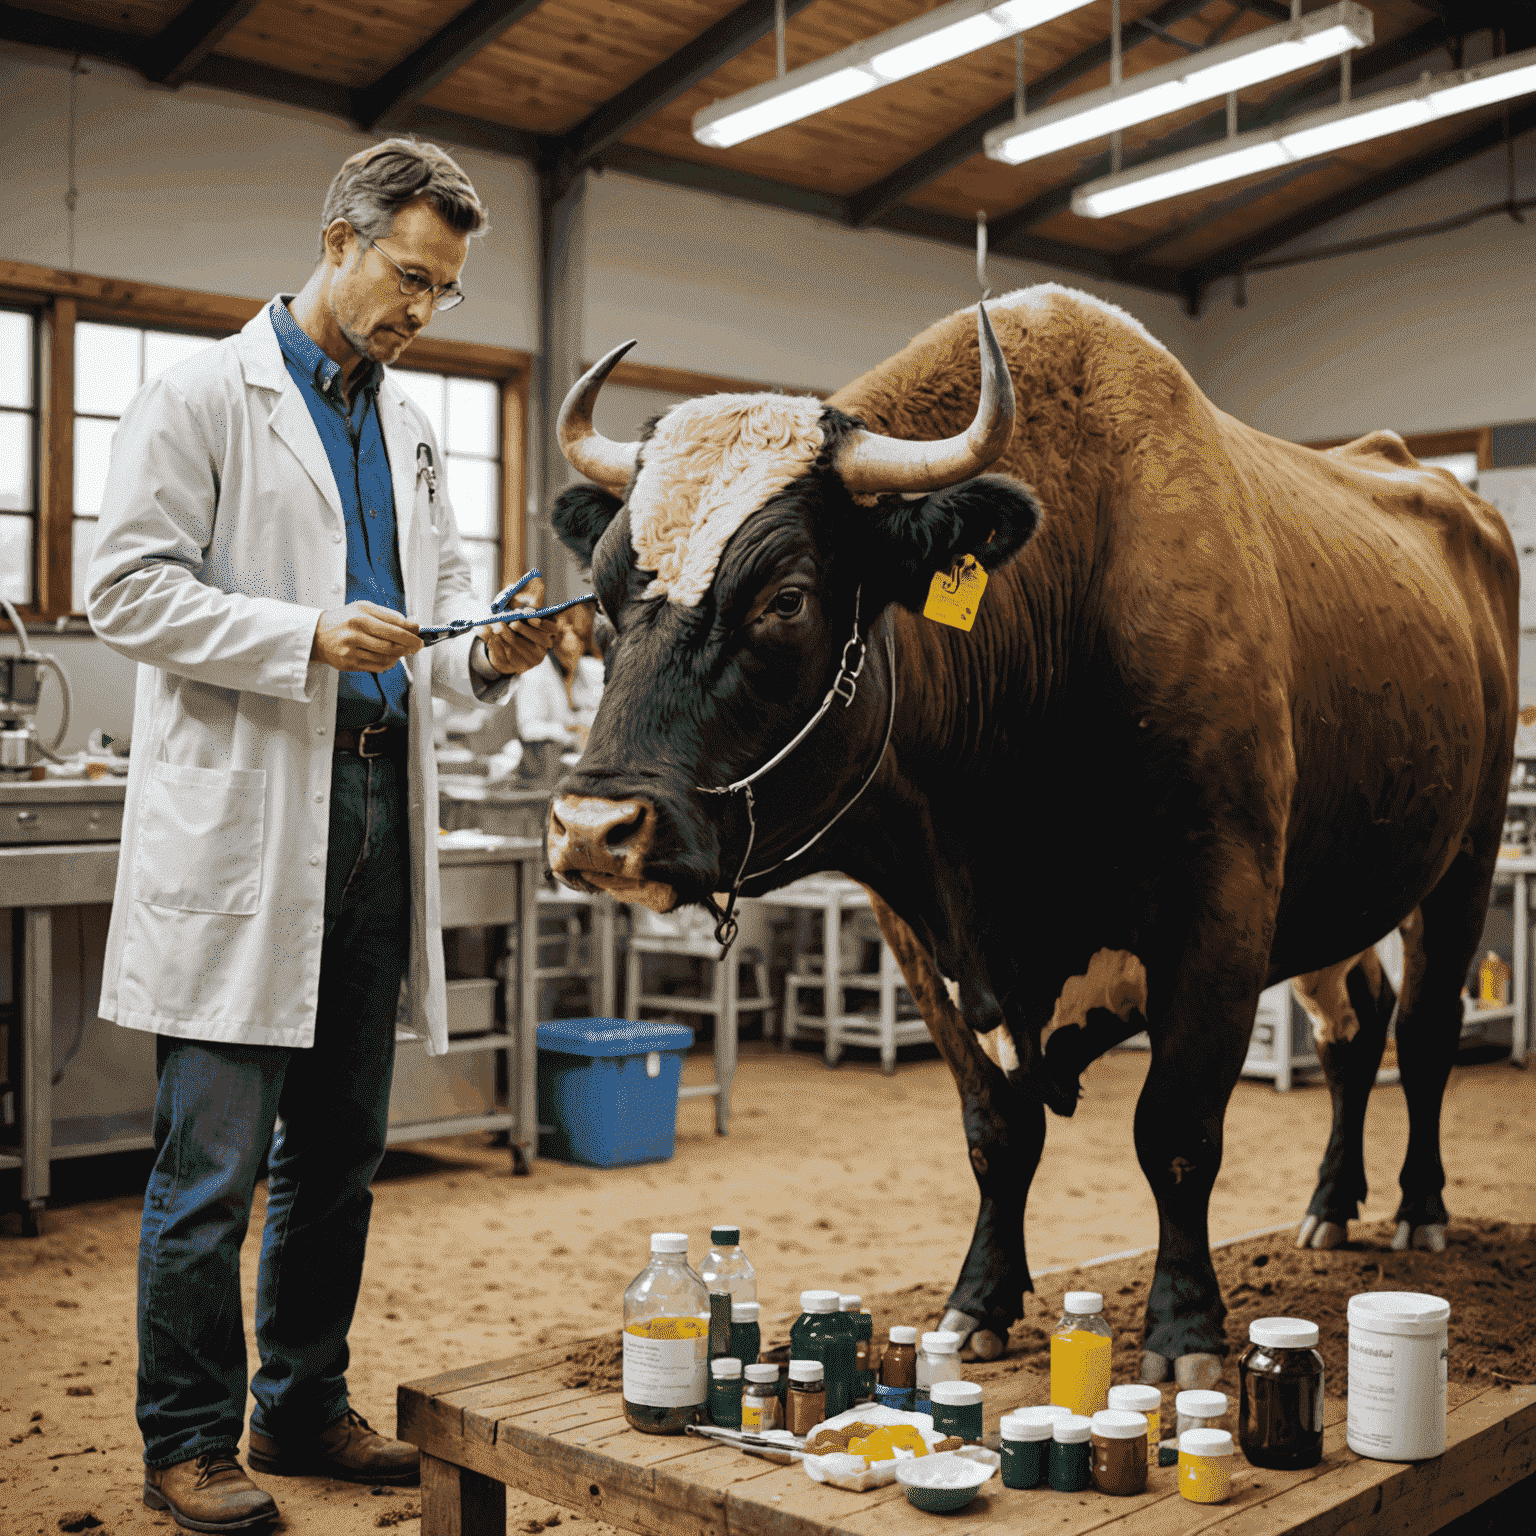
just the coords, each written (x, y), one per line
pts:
(501, 612)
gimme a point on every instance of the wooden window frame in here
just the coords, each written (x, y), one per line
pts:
(1435, 445)
(61, 299)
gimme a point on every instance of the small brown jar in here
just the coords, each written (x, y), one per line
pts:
(805, 1406)
(1280, 1409)
(1119, 1451)
(897, 1385)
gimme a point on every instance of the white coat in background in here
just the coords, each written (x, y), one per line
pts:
(221, 541)
(546, 713)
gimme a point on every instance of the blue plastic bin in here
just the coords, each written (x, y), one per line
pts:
(608, 1090)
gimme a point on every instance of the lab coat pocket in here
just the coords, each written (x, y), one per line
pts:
(199, 839)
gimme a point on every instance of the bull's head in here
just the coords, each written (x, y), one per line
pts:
(736, 547)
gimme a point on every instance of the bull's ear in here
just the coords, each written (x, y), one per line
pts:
(580, 516)
(992, 517)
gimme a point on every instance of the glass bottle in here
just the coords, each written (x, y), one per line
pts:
(1080, 1348)
(819, 1334)
(746, 1331)
(725, 1266)
(725, 1386)
(863, 1338)
(1199, 1410)
(806, 1405)
(1280, 1395)
(937, 1360)
(666, 1340)
(761, 1407)
(898, 1371)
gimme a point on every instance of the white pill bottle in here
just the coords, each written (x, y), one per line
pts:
(1397, 1366)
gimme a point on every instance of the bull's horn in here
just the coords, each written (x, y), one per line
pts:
(872, 463)
(597, 457)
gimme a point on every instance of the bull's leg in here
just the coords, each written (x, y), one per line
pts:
(1428, 1032)
(1005, 1133)
(1197, 1056)
(1350, 1006)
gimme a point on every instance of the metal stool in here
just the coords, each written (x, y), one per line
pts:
(583, 951)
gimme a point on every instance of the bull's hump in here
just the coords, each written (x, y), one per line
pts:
(708, 466)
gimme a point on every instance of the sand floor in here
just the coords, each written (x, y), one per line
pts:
(843, 1178)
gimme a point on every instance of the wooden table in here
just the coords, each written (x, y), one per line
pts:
(514, 1422)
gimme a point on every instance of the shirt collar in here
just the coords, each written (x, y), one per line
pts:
(300, 349)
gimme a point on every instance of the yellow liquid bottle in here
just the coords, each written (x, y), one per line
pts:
(1080, 1346)
(666, 1340)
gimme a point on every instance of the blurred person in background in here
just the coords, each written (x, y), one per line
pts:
(273, 537)
(557, 701)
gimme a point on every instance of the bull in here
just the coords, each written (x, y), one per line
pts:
(1291, 673)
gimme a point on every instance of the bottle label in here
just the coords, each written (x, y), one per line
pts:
(666, 1362)
(900, 1398)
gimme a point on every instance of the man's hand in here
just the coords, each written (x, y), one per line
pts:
(364, 637)
(519, 646)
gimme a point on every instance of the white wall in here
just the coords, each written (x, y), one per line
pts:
(202, 189)
(1435, 333)
(730, 288)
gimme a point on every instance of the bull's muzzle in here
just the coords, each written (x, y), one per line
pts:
(602, 845)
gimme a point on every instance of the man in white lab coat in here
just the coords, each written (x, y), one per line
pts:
(274, 533)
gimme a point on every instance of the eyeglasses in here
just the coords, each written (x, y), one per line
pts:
(413, 284)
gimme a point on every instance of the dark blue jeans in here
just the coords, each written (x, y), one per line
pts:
(215, 1116)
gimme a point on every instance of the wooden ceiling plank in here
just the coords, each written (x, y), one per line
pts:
(382, 104)
(38, 29)
(956, 148)
(1369, 65)
(1244, 253)
(658, 87)
(170, 57)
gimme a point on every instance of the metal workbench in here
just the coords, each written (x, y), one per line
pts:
(37, 879)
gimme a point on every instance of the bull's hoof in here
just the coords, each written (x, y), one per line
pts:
(1197, 1372)
(981, 1342)
(986, 1345)
(961, 1323)
(1429, 1238)
(1155, 1368)
(1315, 1232)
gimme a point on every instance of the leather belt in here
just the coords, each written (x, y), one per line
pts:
(374, 740)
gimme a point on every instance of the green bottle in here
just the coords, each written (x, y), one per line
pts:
(821, 1333)
(864, 1333)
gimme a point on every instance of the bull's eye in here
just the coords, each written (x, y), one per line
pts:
(787, 602)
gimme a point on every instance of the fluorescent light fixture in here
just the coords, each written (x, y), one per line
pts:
(947, 33)
(1277, 50)
(1315, 133)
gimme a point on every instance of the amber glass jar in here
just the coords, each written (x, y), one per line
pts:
(1280, 1413)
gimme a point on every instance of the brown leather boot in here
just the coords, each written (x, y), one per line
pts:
(347, 1449)
(209, 1493)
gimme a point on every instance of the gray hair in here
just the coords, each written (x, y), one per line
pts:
(376, 183)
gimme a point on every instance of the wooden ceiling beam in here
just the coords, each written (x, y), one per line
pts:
(1368, 66)
(956, 148)
(384, 103)
(188, 38)
(1244, 253)
(659, 87)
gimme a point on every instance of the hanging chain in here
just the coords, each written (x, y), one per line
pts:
(1018, 77)
(778, 33)
(72, 192)
(1116, 139)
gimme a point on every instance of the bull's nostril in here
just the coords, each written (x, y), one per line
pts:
(625, 827)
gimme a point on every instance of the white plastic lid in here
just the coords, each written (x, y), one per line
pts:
(850, 1303)
(903, 1335)
(726, 1365)
(762, 1373)
(807, 1370)
(1119, 1424)
(941, 1342)
(745, 1311)
(956, 1394)
(1206, 1442)
(1135, 1399)
(818, 1301)
(1201, 1405)
(1400, 1312)
(1283, 1333)
(1072, 1430)
(669, 1242)
(1018, 1427)
(1083, 1303)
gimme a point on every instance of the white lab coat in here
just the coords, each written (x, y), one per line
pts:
(221, 540)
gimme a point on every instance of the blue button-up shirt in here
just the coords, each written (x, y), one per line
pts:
(354, 445)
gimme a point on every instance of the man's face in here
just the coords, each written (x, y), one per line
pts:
(379, 321)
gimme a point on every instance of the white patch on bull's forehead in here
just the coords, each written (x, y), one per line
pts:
(710, 464)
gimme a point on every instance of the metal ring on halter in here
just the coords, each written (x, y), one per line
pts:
(844, 687)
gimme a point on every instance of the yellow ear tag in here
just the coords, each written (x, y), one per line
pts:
(955, 595)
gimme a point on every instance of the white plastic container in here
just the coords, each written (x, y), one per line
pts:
(1397, 1366)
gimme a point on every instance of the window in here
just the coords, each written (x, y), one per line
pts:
(466, 416)
(111, 362)
(18, 453)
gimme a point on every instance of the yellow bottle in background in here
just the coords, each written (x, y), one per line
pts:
(1080, 1346)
